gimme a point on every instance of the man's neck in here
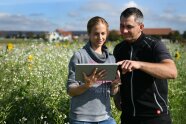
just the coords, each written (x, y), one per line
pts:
(135, 39)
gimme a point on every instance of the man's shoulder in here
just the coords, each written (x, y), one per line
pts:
(122, 43)
(151, 39)
(118, 46)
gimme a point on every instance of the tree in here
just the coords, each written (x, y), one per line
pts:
(184, 35)
(114, 35)
(175, 36)
(30, 35)
(43, 35)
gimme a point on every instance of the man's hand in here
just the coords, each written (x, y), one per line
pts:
(166, 69)
(129, 65)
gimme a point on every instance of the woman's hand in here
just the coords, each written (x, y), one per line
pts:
(94, 77)
(89, 81)
(117, 81)
(115, 84)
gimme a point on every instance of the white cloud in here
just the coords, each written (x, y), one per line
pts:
(73, 14)
(16, 2)
(134, 4)
(174, 19)
(70, 26)
(20, 22)
(182, 18)
(96, 6)
(131, 4)
(76, 17)
(168, 18)
(109, 11)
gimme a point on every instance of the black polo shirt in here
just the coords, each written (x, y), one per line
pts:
(141, 93)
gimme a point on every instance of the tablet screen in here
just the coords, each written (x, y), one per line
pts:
(111, 69)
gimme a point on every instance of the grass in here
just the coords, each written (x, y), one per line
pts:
(33, 78)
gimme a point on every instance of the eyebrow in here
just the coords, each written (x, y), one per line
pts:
(127, 26)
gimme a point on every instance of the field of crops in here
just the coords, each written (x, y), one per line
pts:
(33, 77)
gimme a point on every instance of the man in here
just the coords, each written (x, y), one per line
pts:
(145, 66)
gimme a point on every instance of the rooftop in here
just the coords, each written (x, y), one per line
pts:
(157, 31)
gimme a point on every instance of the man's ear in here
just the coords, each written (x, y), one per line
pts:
(141, 26)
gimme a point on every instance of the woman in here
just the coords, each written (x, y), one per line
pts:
(90, 100)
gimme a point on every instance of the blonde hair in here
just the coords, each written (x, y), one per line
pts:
(94, 21)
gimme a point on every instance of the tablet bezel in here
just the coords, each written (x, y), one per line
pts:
(111, 69)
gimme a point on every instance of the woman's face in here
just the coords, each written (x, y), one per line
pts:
(98, 35)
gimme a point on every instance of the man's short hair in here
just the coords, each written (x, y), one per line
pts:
(133, 11)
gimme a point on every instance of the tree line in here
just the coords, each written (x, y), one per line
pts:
(175, 36)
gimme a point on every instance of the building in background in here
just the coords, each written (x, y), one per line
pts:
(59, 35)
(165, 34)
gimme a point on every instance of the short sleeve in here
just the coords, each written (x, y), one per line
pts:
(161, 52)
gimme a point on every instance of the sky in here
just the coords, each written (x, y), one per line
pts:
(73, 15)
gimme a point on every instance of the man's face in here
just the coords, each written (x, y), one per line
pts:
(130, 29)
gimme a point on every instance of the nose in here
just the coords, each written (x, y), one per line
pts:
(124, 30)
(99, 36)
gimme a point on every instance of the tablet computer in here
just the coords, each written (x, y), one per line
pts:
(111, 69)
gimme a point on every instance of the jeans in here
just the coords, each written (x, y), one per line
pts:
(108, 121)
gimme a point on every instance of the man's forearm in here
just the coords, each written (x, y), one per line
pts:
(164, 70)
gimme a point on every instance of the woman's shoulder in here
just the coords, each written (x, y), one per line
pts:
(79, 55)
(80, 52)
(112, 58)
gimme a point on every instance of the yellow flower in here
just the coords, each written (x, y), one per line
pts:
(65, 46)
(57, 44)
(30, 66)
(30, 58)
(10, 46)
(177, 55)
